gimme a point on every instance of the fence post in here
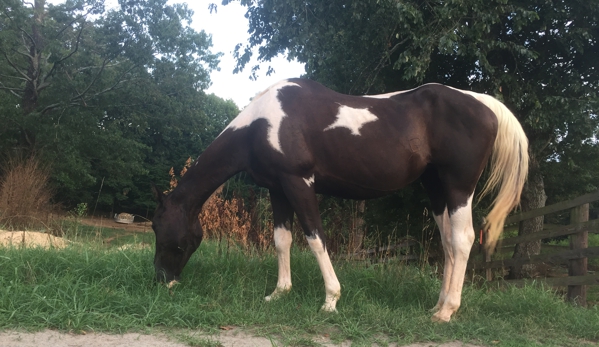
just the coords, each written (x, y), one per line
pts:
(578, 267)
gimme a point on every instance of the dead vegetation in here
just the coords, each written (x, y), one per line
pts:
(25, 198)
(230, 219)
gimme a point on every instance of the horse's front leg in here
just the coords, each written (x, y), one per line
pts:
(283, 221)
(301, 195)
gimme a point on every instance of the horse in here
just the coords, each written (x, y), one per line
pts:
(298, 139)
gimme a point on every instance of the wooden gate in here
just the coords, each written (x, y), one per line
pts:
(576, 257)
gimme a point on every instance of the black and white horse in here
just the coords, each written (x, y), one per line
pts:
(299, 139)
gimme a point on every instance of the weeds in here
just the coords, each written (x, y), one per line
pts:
(25, 198)
(229, 220)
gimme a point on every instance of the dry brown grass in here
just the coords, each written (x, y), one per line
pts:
(230, 219)
(25, 198)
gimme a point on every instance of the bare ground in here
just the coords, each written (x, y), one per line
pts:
(31, 239)
(231, 338)
(145, 226)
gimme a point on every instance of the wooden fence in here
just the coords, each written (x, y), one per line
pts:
(576, 257)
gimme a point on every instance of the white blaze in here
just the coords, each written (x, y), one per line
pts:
(352, 118)
(266, 106)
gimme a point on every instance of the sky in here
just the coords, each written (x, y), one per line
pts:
(228, 27)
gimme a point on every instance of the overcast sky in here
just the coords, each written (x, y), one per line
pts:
(229, 27)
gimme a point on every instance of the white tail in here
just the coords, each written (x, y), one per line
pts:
(509, 167)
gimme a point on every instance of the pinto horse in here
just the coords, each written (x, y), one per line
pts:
(299, 139)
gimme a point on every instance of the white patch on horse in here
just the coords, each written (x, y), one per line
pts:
(265, 106)
(309, 181)
(388, 95)
(283, 241)
(331, 283)
(352, 119)
(462, 237)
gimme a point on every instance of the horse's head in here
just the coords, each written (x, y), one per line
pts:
(178, 235)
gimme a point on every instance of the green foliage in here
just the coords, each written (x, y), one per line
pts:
(111, 98)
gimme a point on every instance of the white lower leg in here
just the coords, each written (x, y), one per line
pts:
(462, 237)
(445, 231)
(283, 241)
(331, 283)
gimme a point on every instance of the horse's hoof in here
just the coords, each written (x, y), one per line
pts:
(328, 308)
(437, 317)
(278, 293)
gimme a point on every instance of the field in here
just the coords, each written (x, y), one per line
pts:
(98, 286)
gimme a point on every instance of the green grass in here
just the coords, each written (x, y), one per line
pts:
(89, 287)
(80, 233)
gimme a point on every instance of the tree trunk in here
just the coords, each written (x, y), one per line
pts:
(533, 197)
(36, 45)
(33, 81)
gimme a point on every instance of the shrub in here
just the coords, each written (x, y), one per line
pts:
(25, 198)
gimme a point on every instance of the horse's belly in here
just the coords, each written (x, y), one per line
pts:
(365, 182)
(351, 190)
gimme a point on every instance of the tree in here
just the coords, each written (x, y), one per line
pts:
(91, 90)
(537, 56)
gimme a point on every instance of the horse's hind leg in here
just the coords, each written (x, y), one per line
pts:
(445, 229)
(452, 209)
(302, 197)
(283, 221)
(462, 237)
(436, 193)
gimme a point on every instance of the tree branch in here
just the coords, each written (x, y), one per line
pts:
(82, 94)
(10, 90)
(49, 108)
(66, 57)
(15, 67)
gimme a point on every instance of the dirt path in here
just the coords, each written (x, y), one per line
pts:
(231, 338)
(110, 223)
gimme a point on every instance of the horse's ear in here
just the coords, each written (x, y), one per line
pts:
(158, 195)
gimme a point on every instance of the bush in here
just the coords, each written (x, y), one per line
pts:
(25, 198)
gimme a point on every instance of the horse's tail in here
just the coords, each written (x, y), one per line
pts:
(509, 167)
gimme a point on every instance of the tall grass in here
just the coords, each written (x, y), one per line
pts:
(87, 288)
(25, 198)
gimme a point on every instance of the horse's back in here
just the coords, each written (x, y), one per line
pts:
(371, 144)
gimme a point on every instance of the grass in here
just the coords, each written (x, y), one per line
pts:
(88, 287)
(109, 237)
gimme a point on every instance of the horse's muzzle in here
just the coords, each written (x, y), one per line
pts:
(162, 276)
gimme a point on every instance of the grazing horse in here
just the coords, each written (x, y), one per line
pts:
(299, 139)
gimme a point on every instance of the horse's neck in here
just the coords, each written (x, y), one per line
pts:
(215, 166)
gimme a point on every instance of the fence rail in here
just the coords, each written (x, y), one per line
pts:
(576, 257)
